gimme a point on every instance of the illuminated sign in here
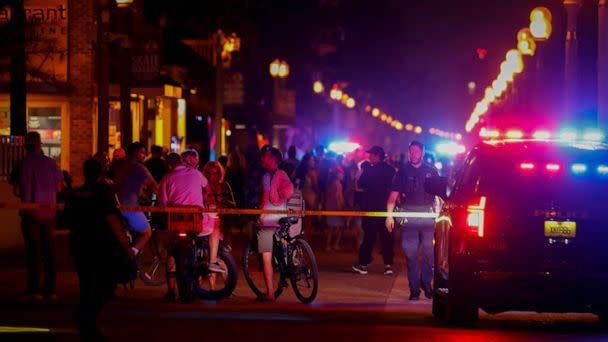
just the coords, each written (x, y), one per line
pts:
(47, 41)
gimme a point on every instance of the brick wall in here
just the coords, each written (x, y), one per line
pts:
(81, 77)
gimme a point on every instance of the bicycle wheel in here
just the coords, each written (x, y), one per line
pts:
(151, 263)
(304, 271)
(215, 286)
(254, 274)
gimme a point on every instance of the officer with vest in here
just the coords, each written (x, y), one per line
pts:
(416, 233)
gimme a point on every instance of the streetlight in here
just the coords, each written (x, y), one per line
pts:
(335, 94)
(525, 42)
(350, 103)
(540, 23)
(279, 69)
(318, 87)
(375, 112)
(418, 130)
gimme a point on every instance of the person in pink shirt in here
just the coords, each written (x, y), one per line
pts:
(277, 189)
(183, 186)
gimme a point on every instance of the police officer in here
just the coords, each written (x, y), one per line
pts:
(375, 181)
(417, 233)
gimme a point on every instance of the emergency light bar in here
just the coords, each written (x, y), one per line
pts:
(589, 136)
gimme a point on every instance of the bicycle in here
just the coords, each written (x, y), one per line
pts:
(192, 269)
(151, 261)
(292, 257)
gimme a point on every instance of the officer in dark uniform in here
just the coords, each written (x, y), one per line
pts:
(416, 233)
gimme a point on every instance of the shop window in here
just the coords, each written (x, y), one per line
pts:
(5, 121)
(47, 122)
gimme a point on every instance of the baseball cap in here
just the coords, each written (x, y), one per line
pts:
(119, 153)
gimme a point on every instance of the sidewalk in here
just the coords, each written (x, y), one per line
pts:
(338, 284)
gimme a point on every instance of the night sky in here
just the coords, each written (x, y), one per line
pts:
(413, 59)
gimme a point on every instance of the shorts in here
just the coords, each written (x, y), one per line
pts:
(265, 239)
(137, 221)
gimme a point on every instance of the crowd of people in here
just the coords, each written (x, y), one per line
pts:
(259, 178)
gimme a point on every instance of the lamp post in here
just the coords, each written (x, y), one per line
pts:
(104, 38)
(224, 46)
(103, 75)
(570, 79)
(126, 120)
(279, 70)
(602, 65)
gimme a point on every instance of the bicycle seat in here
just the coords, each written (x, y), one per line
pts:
(288, 220)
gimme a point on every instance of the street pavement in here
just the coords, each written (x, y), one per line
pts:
(349, 306)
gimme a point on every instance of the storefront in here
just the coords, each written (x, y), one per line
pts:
(47, 115)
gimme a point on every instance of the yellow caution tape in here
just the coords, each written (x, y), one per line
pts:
(5, 329)
(191, 210)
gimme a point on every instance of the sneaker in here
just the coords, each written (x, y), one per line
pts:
(216, 267)
(388, 269)
(361, 269)
(415, 296)
(428, 294)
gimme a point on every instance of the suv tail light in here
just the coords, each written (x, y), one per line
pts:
(476, 217)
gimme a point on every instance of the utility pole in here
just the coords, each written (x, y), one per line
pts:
(126, 120)
(103, 75)
(602, 65)
(219, 94)
(570, 72)
(18, 71)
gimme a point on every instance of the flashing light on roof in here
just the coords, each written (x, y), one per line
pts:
(514, 134)
(602, 170)
(568, 135)
(486, 133)
(552, 167)
(527, 166)
(593, 135)
(342, 147)
(450, 148)
(541, 135)
(579, 168)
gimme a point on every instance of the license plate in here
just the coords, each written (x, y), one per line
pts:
(565, 229)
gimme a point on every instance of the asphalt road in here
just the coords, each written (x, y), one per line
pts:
(349, 307)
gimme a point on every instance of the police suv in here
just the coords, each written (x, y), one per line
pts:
(523, 229)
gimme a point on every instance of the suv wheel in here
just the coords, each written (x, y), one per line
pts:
(460, 302)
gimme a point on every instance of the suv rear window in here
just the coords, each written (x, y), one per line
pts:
(530, 175)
